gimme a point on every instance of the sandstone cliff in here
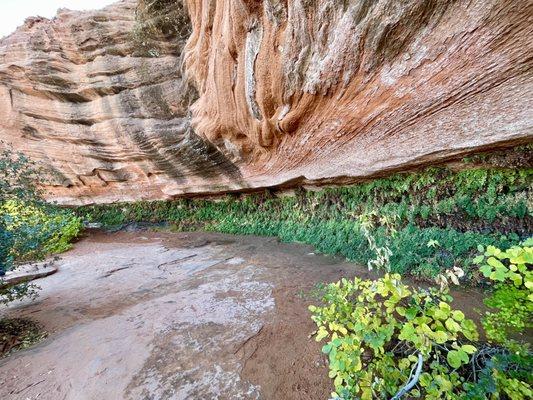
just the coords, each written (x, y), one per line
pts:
(213, 96)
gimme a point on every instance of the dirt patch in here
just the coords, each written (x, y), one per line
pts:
(282, 359)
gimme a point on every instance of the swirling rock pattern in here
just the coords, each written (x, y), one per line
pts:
(272, 93)
(110, 122)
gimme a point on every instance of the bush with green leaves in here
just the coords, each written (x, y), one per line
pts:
(38, 229)
(510, 278)
(376, 330)
(30, 228)
(17, 175)
(511, 299)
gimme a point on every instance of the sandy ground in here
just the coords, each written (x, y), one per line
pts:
(156, 315)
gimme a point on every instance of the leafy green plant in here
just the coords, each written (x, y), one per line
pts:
(512, 295)
(29, 227)
(38, 229)
(376, 330)
(330, 219)
(18, 176)
(504, 375)
(509, 369)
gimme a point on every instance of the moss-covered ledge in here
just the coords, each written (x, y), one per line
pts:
(480, 200)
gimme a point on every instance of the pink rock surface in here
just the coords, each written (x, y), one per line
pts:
(283, 93)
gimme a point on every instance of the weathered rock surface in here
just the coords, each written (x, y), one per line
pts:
(80, 94)
(278, 93)
(166, 316)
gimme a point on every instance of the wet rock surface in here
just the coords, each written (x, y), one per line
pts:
(160, 315)
(172, 316)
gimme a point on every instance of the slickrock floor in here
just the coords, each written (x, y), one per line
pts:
(150, 315)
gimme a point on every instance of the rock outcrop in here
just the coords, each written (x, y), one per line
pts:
(243, 94)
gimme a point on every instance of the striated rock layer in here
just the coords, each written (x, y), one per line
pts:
(272, 93)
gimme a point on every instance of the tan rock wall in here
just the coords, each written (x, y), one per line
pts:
(283, 92)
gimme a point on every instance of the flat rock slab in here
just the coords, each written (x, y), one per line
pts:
(27, 273)
(159, 315)
(146, 315)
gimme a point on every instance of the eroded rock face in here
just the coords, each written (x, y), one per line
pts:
(281, 93)
(106, 115)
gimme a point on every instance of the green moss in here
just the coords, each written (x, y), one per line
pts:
(458, 209)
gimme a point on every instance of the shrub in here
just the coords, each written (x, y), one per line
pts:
(377, 330)
(29, 227)
(459, 210)
(512, 294)
(38, 229)
(511, 310)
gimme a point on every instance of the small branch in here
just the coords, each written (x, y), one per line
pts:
(176, 261)
(413, 381)
(111, 272)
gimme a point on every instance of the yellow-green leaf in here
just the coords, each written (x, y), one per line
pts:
(468, 349)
